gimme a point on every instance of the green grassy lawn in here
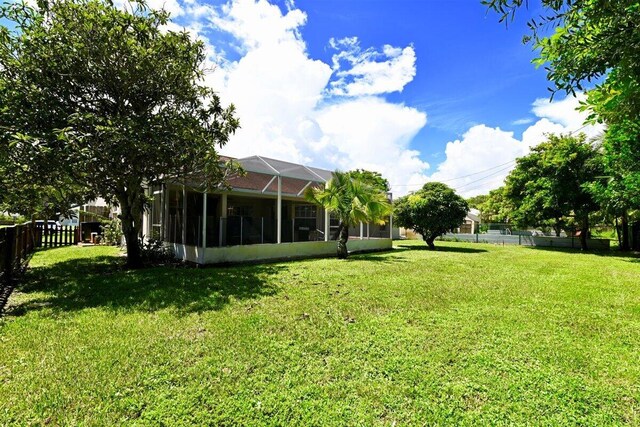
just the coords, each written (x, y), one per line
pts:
(471, 334)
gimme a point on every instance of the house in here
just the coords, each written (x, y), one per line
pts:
(92, 211)
(471, 224)
(262, 216)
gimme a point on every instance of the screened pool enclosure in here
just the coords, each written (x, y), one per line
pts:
(264, 207)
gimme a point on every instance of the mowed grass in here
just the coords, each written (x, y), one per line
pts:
(470, 334)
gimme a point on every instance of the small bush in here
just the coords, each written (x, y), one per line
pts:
(112, 232)
(155, 252)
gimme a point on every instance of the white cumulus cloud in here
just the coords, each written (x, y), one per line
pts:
(286, 100)
(370, 72)
(523, 121)
(484, 156)
(373, 134)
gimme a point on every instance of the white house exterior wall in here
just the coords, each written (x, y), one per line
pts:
(274, 251)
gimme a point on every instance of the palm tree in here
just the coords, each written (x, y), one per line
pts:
(353, 201)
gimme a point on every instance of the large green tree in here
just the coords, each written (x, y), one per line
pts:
(619, 190)
(497, 208)
(432, 211)
(552, 184)
(36, 189)
(108, 99)
(594, 45)
(352, 200)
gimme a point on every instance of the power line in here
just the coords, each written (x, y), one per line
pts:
(483, 178)
(482, 171)
(478, 173)
(460, 177)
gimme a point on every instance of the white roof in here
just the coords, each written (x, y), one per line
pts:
(284, 169)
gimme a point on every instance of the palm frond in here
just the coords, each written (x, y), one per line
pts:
(351, 200)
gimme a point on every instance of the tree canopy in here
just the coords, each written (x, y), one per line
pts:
(497, 207)
(372, 178)
(352, 200)
(476, 202)
(109, 100)
(552, 184)
(595, 47)
(432, 211)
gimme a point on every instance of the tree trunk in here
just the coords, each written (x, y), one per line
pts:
(132, 205)
(584, 233)
(134, 253)
(625, 232)
(429, 241)
(343, 253)
(635, 236)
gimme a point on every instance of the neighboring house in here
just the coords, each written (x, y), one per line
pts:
(262, 216)
(471, 224)
(92, 211)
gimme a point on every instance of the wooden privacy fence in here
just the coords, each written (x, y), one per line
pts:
(18, 242)
(53, 235)
(16, 245)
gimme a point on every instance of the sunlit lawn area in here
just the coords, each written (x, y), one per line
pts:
(470, 334)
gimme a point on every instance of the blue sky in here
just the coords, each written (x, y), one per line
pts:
(470, 68)
(417, 90)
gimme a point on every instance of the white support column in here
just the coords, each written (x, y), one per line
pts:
(361, 231)
(390, 195)
(279, 210)
(327, 219)
(204, 226)
(184, 215)
(368, 232)
(146, 214)
(473, 227)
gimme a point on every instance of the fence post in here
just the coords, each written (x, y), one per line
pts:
(20, 253)
(7, 262)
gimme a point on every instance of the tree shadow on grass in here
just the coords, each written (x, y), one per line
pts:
(611, 253)
(438, 248)
(103, 282)
(385, 257)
